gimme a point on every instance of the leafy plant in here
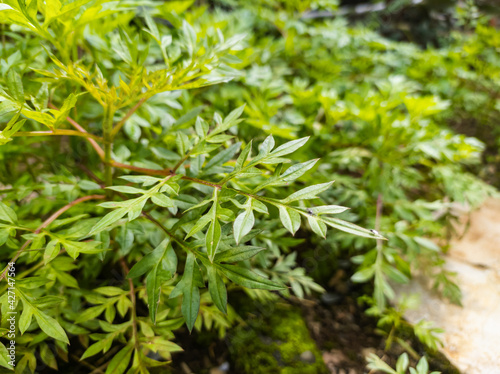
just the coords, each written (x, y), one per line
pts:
(182, 200)
(375, 363)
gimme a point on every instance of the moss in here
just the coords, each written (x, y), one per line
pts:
(279, 343)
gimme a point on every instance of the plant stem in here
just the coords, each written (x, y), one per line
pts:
(133, 301)
(58, 132)
(132, 110)
(46, 223)
(77, 126)
(107, 127)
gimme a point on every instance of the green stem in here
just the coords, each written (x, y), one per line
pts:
(107, 128)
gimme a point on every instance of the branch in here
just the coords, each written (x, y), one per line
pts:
(58, 132)
(77, 126)
(133, 300)
(46, 223)
(164, 172)
(132, 110)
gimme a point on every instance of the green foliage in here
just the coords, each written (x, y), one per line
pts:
(184, 204)
(158, 156)
(375, 363)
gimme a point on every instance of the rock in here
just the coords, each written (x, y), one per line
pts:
(308, 357)
(471, 333)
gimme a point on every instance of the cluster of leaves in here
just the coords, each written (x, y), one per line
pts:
(183, 119)
(189, 198)
(379, 123)
(402, 365)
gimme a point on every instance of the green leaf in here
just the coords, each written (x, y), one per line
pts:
(4, 354)
(7, 214)
(363, 275)
(95, 348)
(188, 286)
(289, 147)
(51, 251)
(317, 226)
(290, 219)
(402, 363)
(328, 209)
(15, 85)
(350, 228)
(120, 361)
(213, 238)
(217, 289)
(156, 277)
(148, 261)
(162, 200)
(247, 278)
(26, 316)
(308, 193)
(50, 326)
(236, 254)
(126, 189)
(108, 220)
(243, 156)
(243, 223)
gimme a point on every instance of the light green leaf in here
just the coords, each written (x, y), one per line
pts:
(162, 200)
(108, 220)
(4, 354)
(289, 147)
(51, 251)
(243, 223)
(317, 226)
(308, 193)
(50, 326)
(7, 214)
(290, 219)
